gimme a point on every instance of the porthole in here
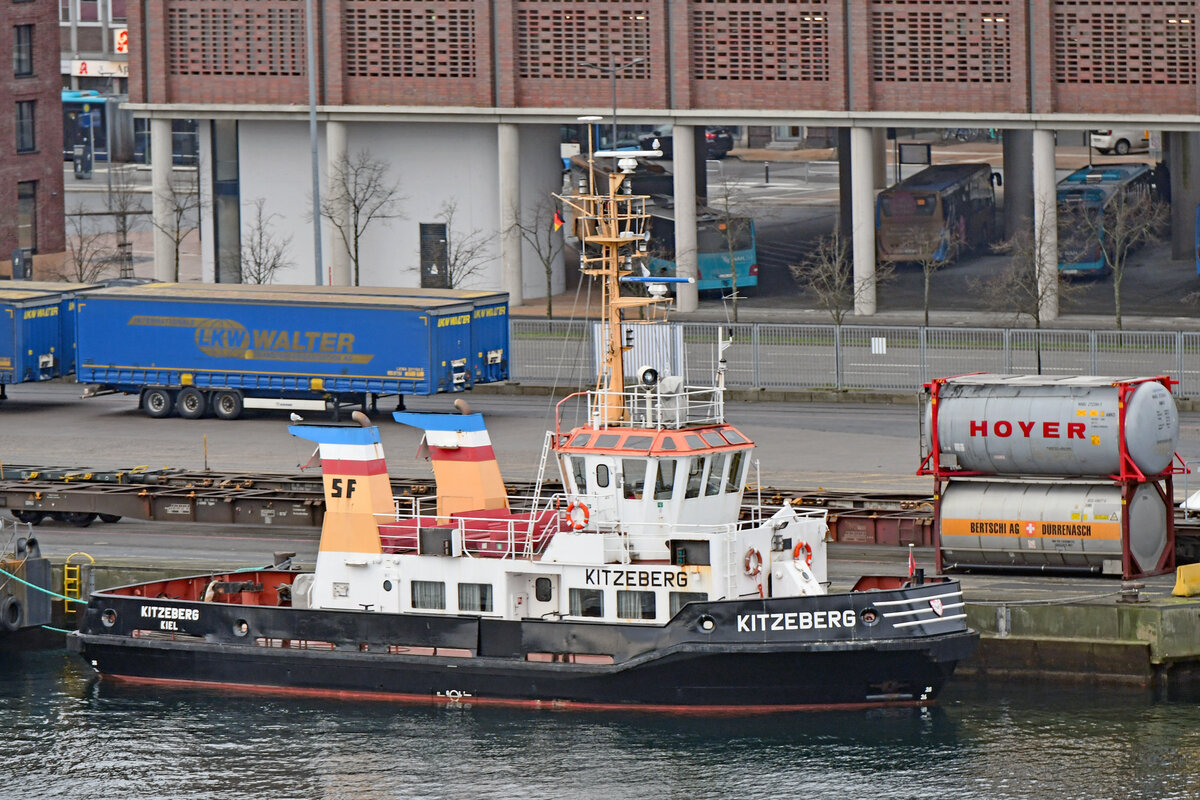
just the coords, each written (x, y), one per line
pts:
(241, 627)
(869, 616)
(387, 586)
(109, 617)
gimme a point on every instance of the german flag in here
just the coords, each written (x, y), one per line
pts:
(558, 220)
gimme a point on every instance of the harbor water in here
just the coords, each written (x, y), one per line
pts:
(68, 735)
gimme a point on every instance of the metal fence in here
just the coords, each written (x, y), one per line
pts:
(865, 357)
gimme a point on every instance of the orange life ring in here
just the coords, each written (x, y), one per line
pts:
(803, 548)
(753, 562)
(576, 523)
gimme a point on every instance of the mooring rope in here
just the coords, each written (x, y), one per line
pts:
(42, 589)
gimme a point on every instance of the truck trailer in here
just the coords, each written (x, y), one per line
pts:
(37, 331)
(192, 349)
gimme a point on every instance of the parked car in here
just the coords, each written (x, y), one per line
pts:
(1121, 140)
(718, 141)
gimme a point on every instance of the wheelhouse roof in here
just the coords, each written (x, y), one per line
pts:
(654, 442)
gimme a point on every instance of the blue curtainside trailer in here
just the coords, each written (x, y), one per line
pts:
(37, 332)
(488, 358)
(193, 348)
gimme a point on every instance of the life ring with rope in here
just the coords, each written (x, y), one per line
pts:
(752, 564)
(578, 523)
(803, 547)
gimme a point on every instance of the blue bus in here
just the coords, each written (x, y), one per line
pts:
(98, 121)
(1082, 197)
(717, 237)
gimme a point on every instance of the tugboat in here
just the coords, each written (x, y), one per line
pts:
(646, 583)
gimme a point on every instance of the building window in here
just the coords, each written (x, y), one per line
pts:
(26, 142)
(475, 597)
(587, 603)
(89, 11)
(116, 11)
(23, 51)
(429, 594)
(635, 605)
(27, 215)
(64, 10)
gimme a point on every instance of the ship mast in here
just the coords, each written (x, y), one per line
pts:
(612, 232)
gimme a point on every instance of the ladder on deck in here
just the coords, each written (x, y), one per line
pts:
(537, 493)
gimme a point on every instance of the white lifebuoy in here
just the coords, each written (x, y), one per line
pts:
(578, 524)
(803, 548)
(752, 564)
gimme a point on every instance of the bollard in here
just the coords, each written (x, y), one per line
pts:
(766, 172)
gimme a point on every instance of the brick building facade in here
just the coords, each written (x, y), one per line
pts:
(999, 56)
(31, 166)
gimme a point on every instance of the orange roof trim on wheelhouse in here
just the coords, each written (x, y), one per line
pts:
(654, 442)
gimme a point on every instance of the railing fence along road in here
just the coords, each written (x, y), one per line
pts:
(863, 357)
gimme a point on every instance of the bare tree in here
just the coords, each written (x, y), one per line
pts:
(360, 192)
(466, 253)
(932, 249)
(263, 253)
(735, 229)
(1130, 219)
(1019, 288)
(125, 206)
(543, 236)
(181, 202)
(828, 271)
(87, 254)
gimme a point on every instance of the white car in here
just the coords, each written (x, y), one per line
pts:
(1121, 140)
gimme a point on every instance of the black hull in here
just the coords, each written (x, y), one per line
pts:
(736, 655)
(752, 678)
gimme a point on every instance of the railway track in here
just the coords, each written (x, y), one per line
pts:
(80, 496)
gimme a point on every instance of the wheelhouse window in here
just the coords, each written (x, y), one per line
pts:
(735, 481)
(715, 473)
(695, 474)
(429, 594)
(635, 605)
(602, 476)
(475, 597)
(633, 472)
(587, 603)
(579, 473)
(23, 51)
(664, 480)
(681, 599)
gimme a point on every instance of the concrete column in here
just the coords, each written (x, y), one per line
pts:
(687, 297)
(879, 145)
(160, 181)
(1018, 181)
(508, 137)
(1182, 155)
(1045, 222)
(862, 198)
(337, 150)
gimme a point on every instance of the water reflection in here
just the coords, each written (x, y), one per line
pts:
(68, 735)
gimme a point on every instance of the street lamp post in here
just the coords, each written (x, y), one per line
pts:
(612, 71)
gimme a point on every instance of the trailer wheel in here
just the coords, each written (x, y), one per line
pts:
(110, 518)
(31, 517)
(227, 405)
(157, 403)
(191, 403)
(80, 519)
